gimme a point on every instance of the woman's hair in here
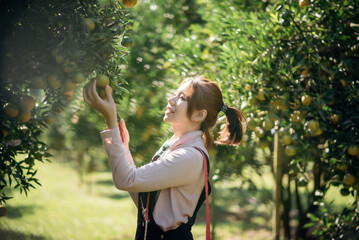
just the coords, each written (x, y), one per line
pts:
(205, 94)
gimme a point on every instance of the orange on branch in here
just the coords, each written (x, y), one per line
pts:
(54, 81)
(353, 150)
(287, 139)
(290, 150)
(129, 3)
(24, 117)
(313, 125)
(79, 77)
(349, 179)
(11, 110)
(89, 23)
(306, 100)
(102, 92)
(26, 103)
(69, 86)
(102, 80)
(303, 3)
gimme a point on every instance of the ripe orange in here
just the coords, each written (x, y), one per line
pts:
(259, 132)
(26, 103)
(353, 150)
(54, 81)
(306, 99)
(261, 95)
(102, 92)
(24, 117)
(290, 150)
(335, 118)
(129, 3)
(11, 110)
(78, 77)
(287, 139)
(69, 94)
(303, 3)
(313, 125)
(268, 124)
(317, 132)
(49, 119)
(89, 23)
(102, 80)
(349, 179)
(69, 85)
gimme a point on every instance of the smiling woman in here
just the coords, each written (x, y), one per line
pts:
(169, 190)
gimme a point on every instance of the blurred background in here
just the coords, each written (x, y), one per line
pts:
(290, 66)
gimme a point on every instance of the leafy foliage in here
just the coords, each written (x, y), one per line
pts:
(47, 49)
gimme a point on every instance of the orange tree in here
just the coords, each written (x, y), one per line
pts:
(293, 67)
(47, 49)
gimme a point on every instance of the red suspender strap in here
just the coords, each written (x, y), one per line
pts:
(208, 226)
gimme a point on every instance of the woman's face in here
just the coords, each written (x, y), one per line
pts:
(176, 110)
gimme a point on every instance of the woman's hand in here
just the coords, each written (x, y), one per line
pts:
(106, 107)
(124, 135)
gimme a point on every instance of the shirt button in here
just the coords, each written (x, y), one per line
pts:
(162, 236)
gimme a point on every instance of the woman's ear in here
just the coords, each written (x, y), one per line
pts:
(199, 116)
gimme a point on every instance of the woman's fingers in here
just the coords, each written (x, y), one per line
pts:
(108, 93)
(86, 98)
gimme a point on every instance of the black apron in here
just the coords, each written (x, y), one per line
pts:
(154, 232)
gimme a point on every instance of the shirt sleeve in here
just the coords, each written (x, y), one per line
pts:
(179, 167)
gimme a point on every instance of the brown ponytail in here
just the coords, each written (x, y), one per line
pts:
(205, 94)
(233, 131)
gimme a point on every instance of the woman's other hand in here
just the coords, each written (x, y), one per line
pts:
(124, 134)
(106, 107)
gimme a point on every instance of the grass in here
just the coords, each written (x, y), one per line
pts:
(63, 208)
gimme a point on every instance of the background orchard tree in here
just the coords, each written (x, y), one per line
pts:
(49, 49)
(293, 67)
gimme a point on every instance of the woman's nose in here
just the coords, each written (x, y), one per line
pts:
(172, 100)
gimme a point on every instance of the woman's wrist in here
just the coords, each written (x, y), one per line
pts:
(111, 123)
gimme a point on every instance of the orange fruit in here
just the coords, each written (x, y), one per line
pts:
(89, 23)
(259, 132)
(54, 81)
(11, 110)
(349, 179)
(102, 92)
(313, 125)
(26, 103)
(268, 124)
(353, 150)
(49, 119)
(344, 83)
(129, 3)
(69, 94)
(69, 85)
(317, 132)
(102, 80)
(287, 140)
(335, 118)
(261, 95)
(306, 99)
(303, 3)
(290, 150)
(24, 117)
(78, 77)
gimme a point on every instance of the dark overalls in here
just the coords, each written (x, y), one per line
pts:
(154, 232)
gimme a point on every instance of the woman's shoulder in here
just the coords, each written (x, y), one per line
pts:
(189, 154)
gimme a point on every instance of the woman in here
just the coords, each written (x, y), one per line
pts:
(169, 190)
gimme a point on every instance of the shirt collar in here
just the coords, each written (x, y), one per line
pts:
(186, 139)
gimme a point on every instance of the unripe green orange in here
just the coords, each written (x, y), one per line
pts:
(353, 150)
(102, 80)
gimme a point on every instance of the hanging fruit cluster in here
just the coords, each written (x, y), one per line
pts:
(48, 49)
